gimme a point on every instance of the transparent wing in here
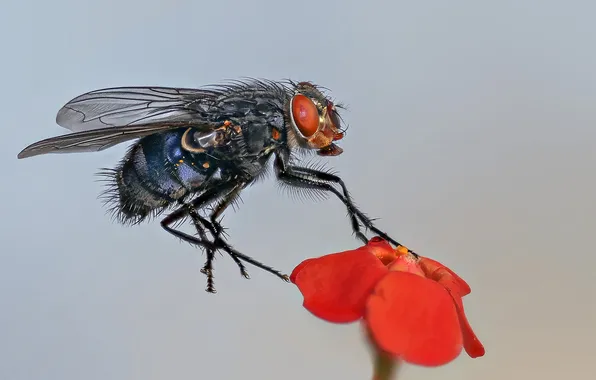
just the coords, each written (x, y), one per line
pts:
(100, 139)
(110, 116)
(123, 106)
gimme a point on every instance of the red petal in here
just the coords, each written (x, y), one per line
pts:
(335, 286)
(406, 263)
(444, 276)
(472, 344)
(299, 268)
(415, 319)
(458, 288)
(382, 249)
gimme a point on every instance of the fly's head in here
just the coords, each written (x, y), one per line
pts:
(314, 120)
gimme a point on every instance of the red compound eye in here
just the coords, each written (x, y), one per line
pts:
(305, 114)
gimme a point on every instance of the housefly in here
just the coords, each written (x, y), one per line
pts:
(196, 150)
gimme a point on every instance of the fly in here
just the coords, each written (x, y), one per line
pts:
(197, 149)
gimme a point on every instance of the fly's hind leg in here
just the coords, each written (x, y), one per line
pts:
(200, 241)
(190, 210)
(217, 229)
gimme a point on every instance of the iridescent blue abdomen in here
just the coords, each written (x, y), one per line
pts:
(155, 173)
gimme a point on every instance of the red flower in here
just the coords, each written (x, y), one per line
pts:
(411, 306)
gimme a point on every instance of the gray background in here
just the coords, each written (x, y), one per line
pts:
(472, 134)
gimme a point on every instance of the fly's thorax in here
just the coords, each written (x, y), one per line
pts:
(259, 141)
(233, 150)
(258, 111)
(262, 138)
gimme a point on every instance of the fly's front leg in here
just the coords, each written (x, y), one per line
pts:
(315, 179)
(353, 211)
(293, 177)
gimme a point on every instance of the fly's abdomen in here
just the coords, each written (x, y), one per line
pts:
(155, 173)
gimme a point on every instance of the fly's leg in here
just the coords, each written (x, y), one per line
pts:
(314, 179)
(237, 256)
(207, 269)
(216, 230)
(200, 242)
(190, 209)
(353, 211)
(227, 200)
(229, 193)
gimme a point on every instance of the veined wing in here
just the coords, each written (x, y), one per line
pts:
(123, 106)
(106, 117)
(99, 139)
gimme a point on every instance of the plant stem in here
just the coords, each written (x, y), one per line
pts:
(385, 367)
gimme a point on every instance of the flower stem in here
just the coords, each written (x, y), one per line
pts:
(385, 366)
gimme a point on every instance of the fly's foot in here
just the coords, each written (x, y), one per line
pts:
(369, 225)
(210, 282)
(208, 271)
(386, 237)
(243, 271)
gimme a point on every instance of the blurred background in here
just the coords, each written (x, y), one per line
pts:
(472, 136)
